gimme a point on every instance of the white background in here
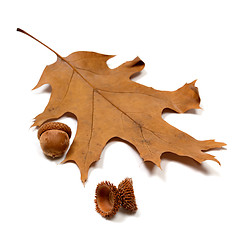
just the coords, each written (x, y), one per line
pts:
(179, 41)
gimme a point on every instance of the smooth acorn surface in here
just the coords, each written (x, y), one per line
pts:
(54, 138)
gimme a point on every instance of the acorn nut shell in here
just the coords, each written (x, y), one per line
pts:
(54, 138)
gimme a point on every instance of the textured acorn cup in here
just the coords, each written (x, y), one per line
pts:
(107, 199)
(54, 138)
(127, 195)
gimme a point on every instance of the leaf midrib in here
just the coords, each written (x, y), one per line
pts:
(96, 90)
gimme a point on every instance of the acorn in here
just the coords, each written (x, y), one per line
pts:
(127, 195)
(54, 138)
(107, 199)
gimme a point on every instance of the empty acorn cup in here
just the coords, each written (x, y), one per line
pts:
(127, 195)
(107, 199)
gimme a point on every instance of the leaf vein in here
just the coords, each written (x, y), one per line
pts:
(129, 93)
(145, 141)
(91, 130)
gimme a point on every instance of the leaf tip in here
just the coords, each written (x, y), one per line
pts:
(83, 179)
(33, 125)
(138, 62)
(64, 161)
(215, 160)
(194, 81)
(160, 166)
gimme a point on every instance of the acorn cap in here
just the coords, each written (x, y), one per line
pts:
(127, 196)
(54, 125)
(107, 199)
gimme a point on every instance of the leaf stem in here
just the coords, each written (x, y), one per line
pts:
(58, 55)
(22, 31)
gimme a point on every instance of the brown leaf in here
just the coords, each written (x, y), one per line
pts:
(108, 104)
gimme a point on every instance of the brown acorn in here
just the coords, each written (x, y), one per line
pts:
(54, 138)
(107, 199)
(127, 196)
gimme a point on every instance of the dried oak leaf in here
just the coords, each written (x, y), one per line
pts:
(108, 104)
